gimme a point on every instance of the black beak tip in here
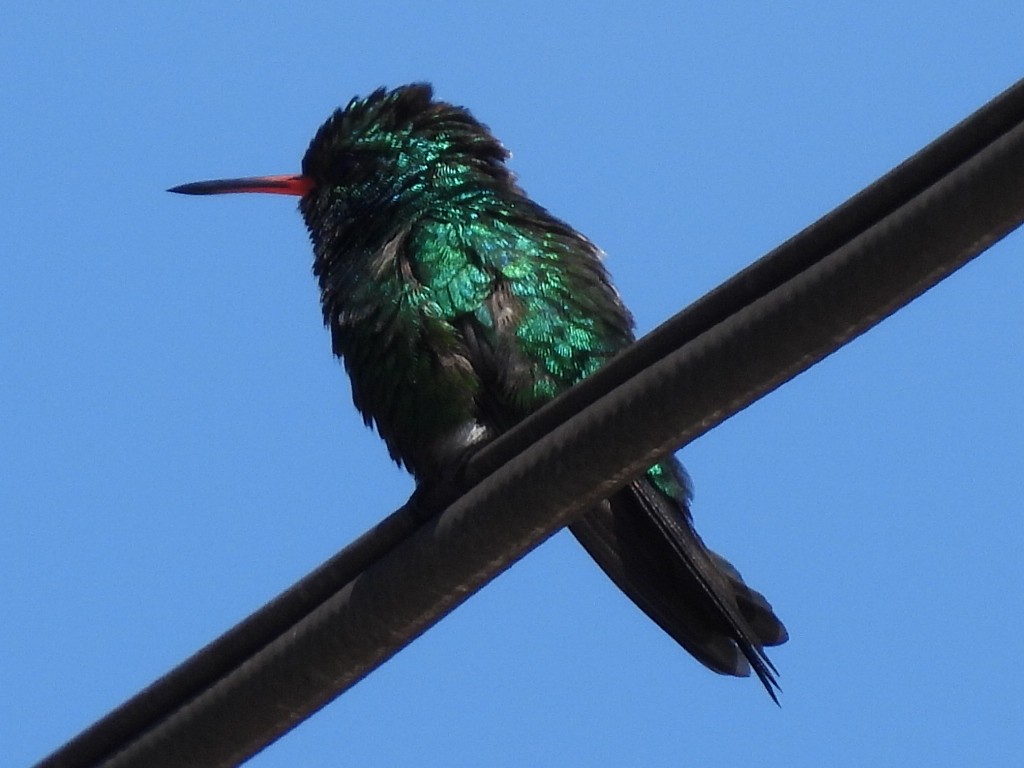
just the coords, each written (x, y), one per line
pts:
(195, 188)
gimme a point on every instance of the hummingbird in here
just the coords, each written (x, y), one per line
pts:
(459, 306)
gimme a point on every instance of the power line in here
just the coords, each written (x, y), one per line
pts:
(773, 320)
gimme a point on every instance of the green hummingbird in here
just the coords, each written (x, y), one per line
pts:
(459, 306)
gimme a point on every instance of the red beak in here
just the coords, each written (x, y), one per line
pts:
(276, 185)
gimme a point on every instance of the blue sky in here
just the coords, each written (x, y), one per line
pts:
(177, 445)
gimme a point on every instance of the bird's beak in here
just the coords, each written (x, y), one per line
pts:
(276, 185)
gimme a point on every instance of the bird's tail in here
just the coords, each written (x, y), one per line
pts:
(645, 542)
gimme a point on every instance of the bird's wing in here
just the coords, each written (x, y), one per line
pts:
(645, 542)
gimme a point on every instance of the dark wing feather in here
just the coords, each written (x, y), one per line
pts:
(646, 543)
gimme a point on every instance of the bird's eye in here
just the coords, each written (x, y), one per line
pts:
(346, 164)
(354, 167)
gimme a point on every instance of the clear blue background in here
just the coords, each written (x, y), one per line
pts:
(177, 445)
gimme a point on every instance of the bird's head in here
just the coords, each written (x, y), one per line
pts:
(389, 151)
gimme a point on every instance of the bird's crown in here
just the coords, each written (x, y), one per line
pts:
(401, 134)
